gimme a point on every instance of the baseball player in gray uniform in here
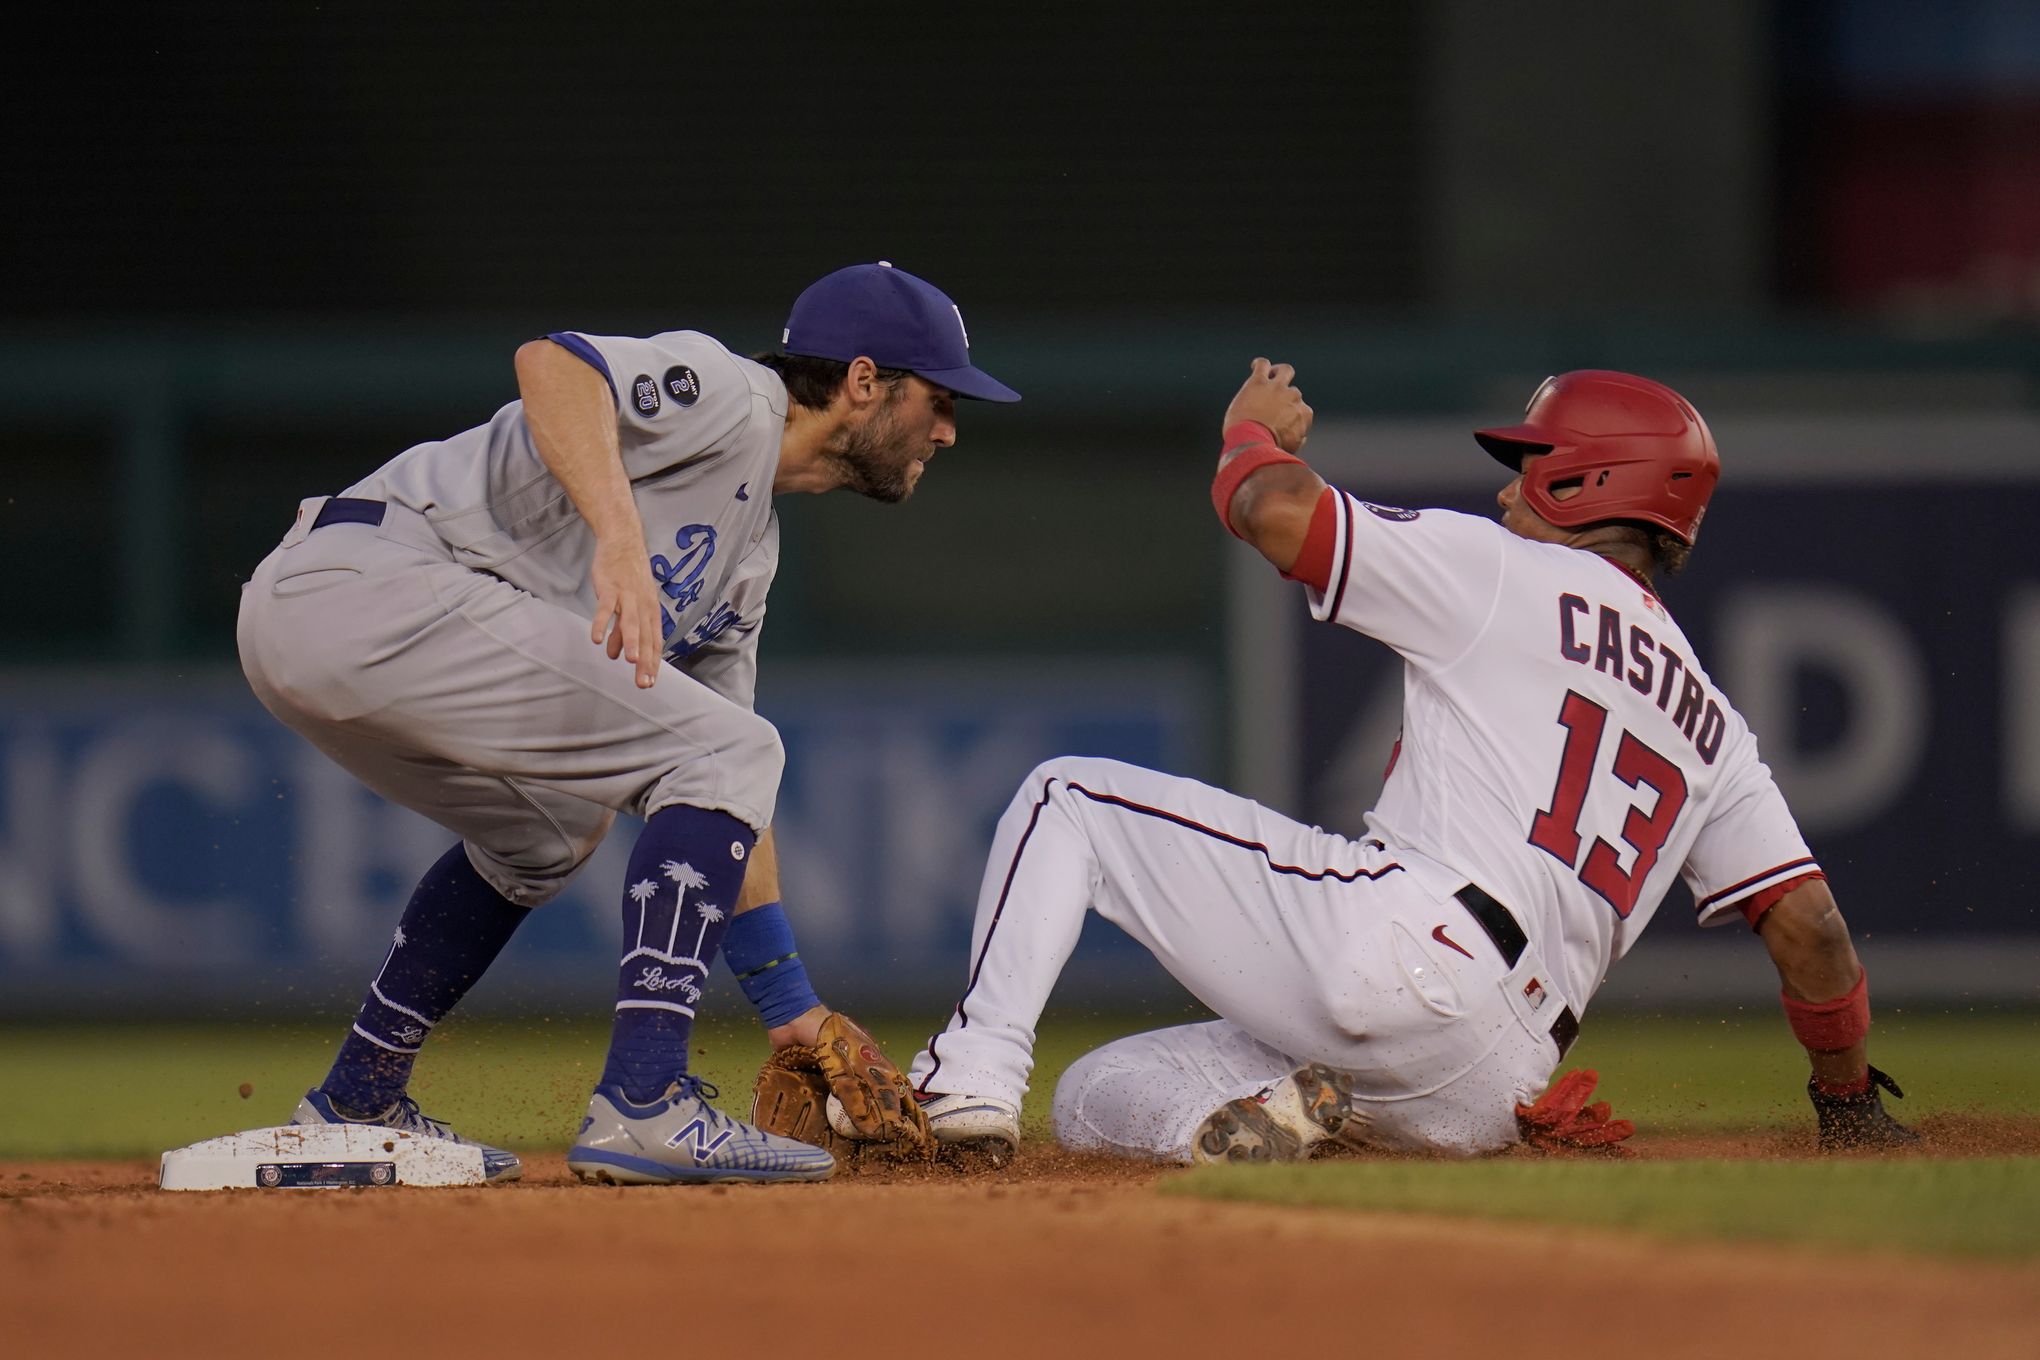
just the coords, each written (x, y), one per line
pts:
(553, 617)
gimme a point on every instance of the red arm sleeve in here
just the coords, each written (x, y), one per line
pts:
(1313, 565)
(1249, 447)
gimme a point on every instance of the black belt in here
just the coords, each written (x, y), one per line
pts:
(1508, 936)
(349, 510)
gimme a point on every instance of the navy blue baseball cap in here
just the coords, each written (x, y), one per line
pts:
(895, 320)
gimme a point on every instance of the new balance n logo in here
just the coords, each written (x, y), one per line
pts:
(696, 1131)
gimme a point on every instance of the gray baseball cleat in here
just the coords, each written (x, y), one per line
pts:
(681, 1139)
(317, 1108)
(1284, 1122)
(982, 1125)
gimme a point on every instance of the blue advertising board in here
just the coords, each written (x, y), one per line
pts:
(167, 842)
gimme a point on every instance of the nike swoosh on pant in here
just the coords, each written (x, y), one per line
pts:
(1438, 934)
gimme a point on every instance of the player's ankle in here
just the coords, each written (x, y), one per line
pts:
(354, 1114)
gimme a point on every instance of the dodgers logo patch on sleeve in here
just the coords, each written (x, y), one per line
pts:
(1391, 512)
(681, 385)
(644, 394)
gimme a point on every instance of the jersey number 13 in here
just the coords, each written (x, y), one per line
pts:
(1556, 830)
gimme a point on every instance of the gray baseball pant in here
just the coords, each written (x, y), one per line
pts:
(482, 707)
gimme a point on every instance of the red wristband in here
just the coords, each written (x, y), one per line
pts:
(1831, 1026)
(1252, 447)
(1243, 432)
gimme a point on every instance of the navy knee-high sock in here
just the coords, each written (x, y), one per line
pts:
(451, 931)
(685, 872)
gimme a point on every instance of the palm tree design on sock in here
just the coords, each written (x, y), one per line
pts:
(687, 876)
(641, 892)
(709, 912)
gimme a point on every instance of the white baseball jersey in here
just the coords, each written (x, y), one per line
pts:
(1562, 746)
(699, 430)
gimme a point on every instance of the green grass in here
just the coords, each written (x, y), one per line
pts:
(1977, 1207)
(131, 1090)
(1702, 1074)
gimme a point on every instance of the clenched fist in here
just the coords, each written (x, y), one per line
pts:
(1269, 395)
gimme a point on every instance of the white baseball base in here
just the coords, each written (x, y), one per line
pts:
(319, 1157)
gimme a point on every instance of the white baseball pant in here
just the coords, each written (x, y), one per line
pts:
(1311, 946)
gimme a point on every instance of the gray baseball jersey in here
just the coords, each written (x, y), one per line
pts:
(699, 431)
(442, 654)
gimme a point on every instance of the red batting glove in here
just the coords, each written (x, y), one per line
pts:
(1562, 1121)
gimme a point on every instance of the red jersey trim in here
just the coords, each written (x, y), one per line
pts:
(1343, 568)
(1755, 881)
(1313, 564)
(1762, 900)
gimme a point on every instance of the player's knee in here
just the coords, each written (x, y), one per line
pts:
(1066, 1119)
(756, 758)
(739, 773)
(1106, 1101)
(533, 874)
(768, 752)
(1107, 1066)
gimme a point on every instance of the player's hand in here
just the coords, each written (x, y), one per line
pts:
(627, 621)
(803, 1029)
(1854, 1123)
(1269, 395)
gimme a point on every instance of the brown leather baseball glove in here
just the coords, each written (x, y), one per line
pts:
(791, 1098)
(792, 1092)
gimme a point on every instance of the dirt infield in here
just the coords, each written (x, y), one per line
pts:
(1056, 1255)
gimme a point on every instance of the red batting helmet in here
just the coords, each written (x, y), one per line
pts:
(1635, 449)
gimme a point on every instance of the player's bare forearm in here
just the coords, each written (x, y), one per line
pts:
(761, 888)
(568, 409)
(572, 419)
(1809, 943)
(1272, 507)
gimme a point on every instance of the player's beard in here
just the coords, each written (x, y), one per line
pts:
(876, 457)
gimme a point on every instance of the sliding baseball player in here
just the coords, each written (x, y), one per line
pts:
(1564, 757)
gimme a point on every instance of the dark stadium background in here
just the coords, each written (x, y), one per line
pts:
(252, 250)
